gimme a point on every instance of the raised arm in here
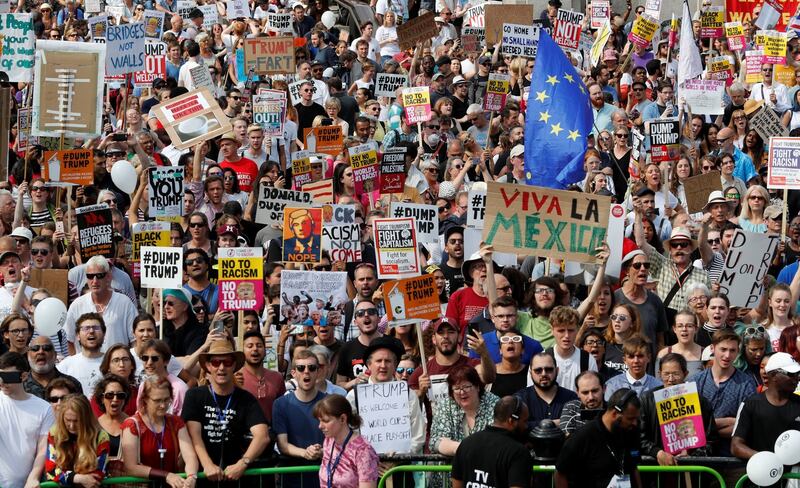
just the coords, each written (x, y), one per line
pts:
(601, 258)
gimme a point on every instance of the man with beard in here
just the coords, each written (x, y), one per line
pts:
(600, 109)
(545, 398)
(644, 201)
(454, 247)
(85, 366)
(195, 266)
(42, 360)
(605, 452)
(324, 329)
(262, 383)
(590, 389)
(466, 303)
(426, 75)
(495, 456)
(365, 281)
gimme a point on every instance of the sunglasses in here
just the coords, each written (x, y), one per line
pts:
(55, 399)
(405, 370)
(199, 310)
(42, 347)
(640, 265)
(619, 316)
(217, 362)
(510, 339)
(436, 127)
(301, 368)
(714, 241)
(235, 98)
(99, 276)
(43, 252)
(195, 225)
(366, 311)
(119, 395)
(679, 244)
(192, 262)
(38, 188)
(154, 358)
(545, 369)
(442, 209)
(758, 330)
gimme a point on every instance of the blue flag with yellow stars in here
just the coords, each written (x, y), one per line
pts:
(557, 121)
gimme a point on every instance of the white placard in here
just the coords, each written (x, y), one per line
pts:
(161, 267)
(125, 49)
(476, 209)
(201, 77)
(425, 217)
(520, 40)
(386, 84)
(746, 264)
(237, 9)
(704, 97)
(386, 421)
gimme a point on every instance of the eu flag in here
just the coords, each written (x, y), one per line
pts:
(557, 121)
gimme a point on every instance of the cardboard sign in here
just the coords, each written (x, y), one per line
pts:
(567, 32)
(711, 21)
(746, 264)
(497, 14)
(734, 33)
(17, 38)
(310, 291)
(192, 118)
(281, 23)
(412, 299)
(473, 39)
(153, 24)
(165, 191)
(302, 235)
(416, 31)
(269, 55)
(343, 242)
(321, 191)
(125, 52)
(237, 9)
(364, 161)
(767, 123)
(53, 280)
(643, 30)
(601, 11)
(774, 47)
(665, 136)
(679, 417)
(155, 64)
(95, 231)
(784, 163)
(201, 77)
(393, 170)
(704, 97)
(752, 66)
(241, 278)
(271, 202)
(697, 189)
(268, 113)
(68, 68)
(74, 166)
(386, 422)
(161, 267)
(210, 16)
(476, 209)
(497, 88)
(520, 40)
(417, 104)
(425, 217)
(525, 219)
(301, 168)
(396, 248)
(326, 139)
(386, 84)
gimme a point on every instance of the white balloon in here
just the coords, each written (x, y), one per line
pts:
(49, 316)
(328, 19)
(124, 176)
(787, 447)
(764, 468)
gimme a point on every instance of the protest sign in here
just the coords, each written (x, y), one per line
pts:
(201, 77)
(697, 189)
(412, 299)
(545, 222)
(312, 291)
(125, 48)
(386, 421)
(301, 168)
(68, 92)
(497, 14)
(95, 231)
(425, 218)
(747, 262)
(161, 267)
(643, 30)
(771, 13)
(91, 6)
(153, 24)
(784, 164)
(23, 128)
(241, 278)
(393, 170)
(476, 209)
(396, 248)
(752, 62)
(52, 280)
(339, 213)
(665, 136)
(601, 11)
(417, 103)
(364, 161)
(600, 43)
(281, 23)
(497, 88)
(712, 19)
(342, 242)
(210, 16)
(567, 31)
(734, 33)
(520, 40)
(653, 8)
(302, 235)
(271, 202)
(386, 84)
(321, 191)
(472, 244)
(704, 97)
(720, 68)
(767, 123)
(268, 113)
(774, 47)
(269, 55)
(476, 16)
(155, 64)
(680, 418)
(184, 8)
(473, 39)
(17, 38)
(154, 234)
(165, 191)
(326, 139)
(98, 26)
(192, 118)
(74, 166)
(416, 31)
(237, 9)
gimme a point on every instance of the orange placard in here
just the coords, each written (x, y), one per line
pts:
(412, 299)
(328, 139)
(69, 166)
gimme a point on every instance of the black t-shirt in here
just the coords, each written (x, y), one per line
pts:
(508, 384)
(593, 455)
(728, 114)
(492, 457)
(305, 116)
(351, 358)
(460, 110)
(760, 423)
(225, 421)
(455, 280)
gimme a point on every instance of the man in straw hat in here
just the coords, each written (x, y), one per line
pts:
(219, 416)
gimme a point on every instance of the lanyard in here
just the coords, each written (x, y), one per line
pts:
(332, 469)
(220, 412)
(620, 461)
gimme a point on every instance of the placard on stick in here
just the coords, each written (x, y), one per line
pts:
(269, 55)
(396, 248)
(165, 191)
(416, 31)
(697, 189)
(386, 419)
(161, 267)
(272, 201)
(680, 418)
(95, 231)
(746, 264)
(412, 299)
(497, 14)
(241, 278)
(70, 166)
(784, 163)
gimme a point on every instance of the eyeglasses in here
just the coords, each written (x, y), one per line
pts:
(119, 395)
(55, 399)
(720, 141)
(679, 244)
(301, 368)
(640, 265)
(435, 127)
(594, 342)
(42, 347)
(121, 360)
(161, 401)
(544, 291)
(442, 209)
(619, 316)
(621, 136)
(192, 262)
(154, 358)
(672, 375)
(367, 311)
(463, 389)
(405, 370)
(195, 225)
(43, 252)
(99, 276)
(685, 326)
(217, 362)
(700, 298)
(91, 328)
(504, 289)
(234, 98)
(714, 241)
(544, 369)
(756, 197)
(18, 332)
(511, 339)
(432, 170)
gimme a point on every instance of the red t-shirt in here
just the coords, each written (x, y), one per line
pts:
(149, 442)
(265, 391)
(463, 305)
(246, 170)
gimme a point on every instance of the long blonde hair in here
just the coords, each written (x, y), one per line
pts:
(77, 455)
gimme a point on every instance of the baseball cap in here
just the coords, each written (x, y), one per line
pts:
(227, 229)
(443, 60)
(437, 76)
(441, 323)
(779, 360)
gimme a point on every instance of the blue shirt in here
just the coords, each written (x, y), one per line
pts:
(530, 348)
(646, 383)
(209, 294)
(744, 169)
(294, 418)
(653, 111)
(539, 409)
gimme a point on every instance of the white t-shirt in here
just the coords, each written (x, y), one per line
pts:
(85, 370)
(289, 135)
(184, 75)
(569, 368)
(24, 422)
(372, 50)
(118, 316)
(385, 33)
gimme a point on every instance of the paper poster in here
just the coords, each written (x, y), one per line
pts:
(237, 9)
(241, 278)
(302, 235)
(767, 123)
(98, 26)
(734, 33)
(771, 14)
(153, 24)
(393, 170)
(417, 103)
(520, 40)
(301, 168)
(386, 422)
(92, 6)
(343, 242)
(192, 118)
(720, 68)
(74, 166)
(747, 262)
(680, 418)
(309, 295)
(545, 222)
(476, 209)
(704, 97)
(497, 89)
(653, 8)
(425, 217)
(326, 139)
(201, 77)
(68, 93)
(412, 299)
(417, 30)
(697, 189)
(665, 137)
(185, 7)
(210, 16)
(268, 113)
(643, 30)
(396, 248)
(165, 191)
(155, 64)
(784, 163)
(269, 55)
(386, 84)
(125, 48)
(601, 11)
(567, 32)
(321, 191)
(294, 91)
(752, 67)
(154, 234)
(161, 267)
(712, 20)
(95, 231)
(271, 202)
(364, 161)
(774, 47)
(280, 23)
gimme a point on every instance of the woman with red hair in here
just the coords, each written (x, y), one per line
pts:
(790, 340)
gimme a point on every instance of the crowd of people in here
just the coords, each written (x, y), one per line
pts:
(170, 388)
